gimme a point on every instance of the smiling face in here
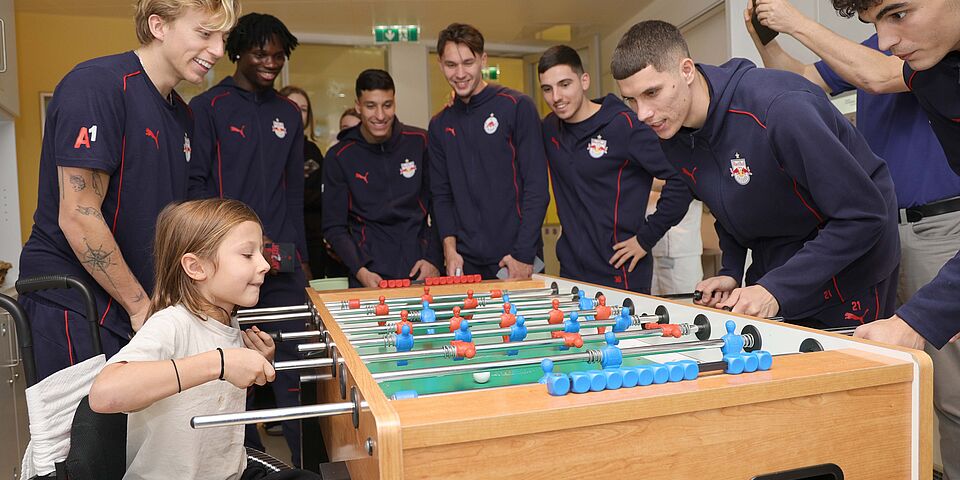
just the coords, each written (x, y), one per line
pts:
(258, 67)
(661, 99)
(187, 46)
(462, 69)
(564, 90)
(920, 32)
(236, 277)
(377, 110)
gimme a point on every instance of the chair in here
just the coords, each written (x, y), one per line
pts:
(98, 441)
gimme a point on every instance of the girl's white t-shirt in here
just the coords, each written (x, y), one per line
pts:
(160, 442)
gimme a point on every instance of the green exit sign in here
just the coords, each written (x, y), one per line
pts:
(491, 73)
(396, 33)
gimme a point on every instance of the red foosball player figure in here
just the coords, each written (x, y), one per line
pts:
(508, 318)
(455, 321)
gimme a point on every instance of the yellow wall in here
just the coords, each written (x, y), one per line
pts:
(48, 46)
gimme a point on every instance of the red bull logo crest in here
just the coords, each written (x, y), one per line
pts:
(739, 170)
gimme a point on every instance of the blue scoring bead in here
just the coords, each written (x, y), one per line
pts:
(765, 358)
(674, 371)
(579, 382)
(613, 377)
(598, 382)
(734, 363)
(644, 375)
(630, 377)
(558, 385)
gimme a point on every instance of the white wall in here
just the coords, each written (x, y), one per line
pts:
(741, 45)
(9, 200)
(407, 64)
(715, 31)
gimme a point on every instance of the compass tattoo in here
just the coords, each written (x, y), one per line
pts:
(98, 259)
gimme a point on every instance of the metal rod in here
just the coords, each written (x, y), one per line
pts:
(590, 354)
(315, 377)
(414, 314)
(291, 336)
(280, 317)
(246, 312)
(306, 363)
(447, 351)
(476, 320)
(342, 305)
(275, 414)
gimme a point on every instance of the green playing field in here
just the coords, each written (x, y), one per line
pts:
(498, 377)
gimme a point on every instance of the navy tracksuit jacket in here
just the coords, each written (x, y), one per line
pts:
(602, 169)
(787, 176)
(249, 147)
(488, 176)
(376, 202)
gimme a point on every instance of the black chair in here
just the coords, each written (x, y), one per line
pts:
(98, 442)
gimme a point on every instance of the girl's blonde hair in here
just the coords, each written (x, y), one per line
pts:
(197, 227)
(224, 14)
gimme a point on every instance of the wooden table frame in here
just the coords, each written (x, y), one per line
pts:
(861, 405)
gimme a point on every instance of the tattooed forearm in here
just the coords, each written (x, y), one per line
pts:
(139, 297)
(97, 185)
(78, 182)
(98, 260)
(88, 211)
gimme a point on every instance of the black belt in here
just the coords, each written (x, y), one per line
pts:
(915, 214)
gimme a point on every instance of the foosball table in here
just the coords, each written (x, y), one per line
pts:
(551, 378)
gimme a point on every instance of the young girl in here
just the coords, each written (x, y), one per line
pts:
(191, 358)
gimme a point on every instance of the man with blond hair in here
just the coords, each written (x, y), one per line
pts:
(115, 151)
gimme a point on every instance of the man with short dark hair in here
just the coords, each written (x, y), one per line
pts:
(785, 174)
(602, 163)
(249, 147)
(375, 193)
(928, 191)
(924, 38)
(488, 172)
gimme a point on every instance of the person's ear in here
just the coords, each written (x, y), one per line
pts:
(194, 267)
(158, 27)
(688, 70)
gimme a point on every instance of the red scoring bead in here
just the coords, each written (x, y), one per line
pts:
(495, 293)
(382, 284)
(354, 303)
